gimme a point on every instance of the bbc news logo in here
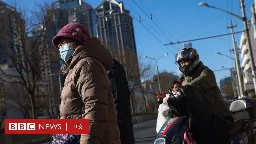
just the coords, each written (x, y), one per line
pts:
(22, 126)
(50, 126)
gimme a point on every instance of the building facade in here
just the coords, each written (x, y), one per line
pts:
(13, 103)
(12, 36)
(226, 87)
(37, 48)
(116, 32)
(12, 29)
(253, 37)
(247, 74)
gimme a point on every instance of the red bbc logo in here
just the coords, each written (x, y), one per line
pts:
(22, 126)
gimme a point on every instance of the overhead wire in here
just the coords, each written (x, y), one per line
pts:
(229, 8)
(238, 12)
(152, 34)
(145, 6)
(151, 17)
(197, 39)
(202, 26)
(222, 69)
(142, 19)
(227, 24)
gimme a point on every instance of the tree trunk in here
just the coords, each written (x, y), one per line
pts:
(131, 104)
(145, 101)
(33, 106)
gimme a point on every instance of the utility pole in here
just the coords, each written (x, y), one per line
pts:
(237, 62)
(252, 64)
(236, 85)
(158, 79)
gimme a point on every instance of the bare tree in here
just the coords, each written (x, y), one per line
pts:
(23, 52)
(15, 99)
(136, 71)
(166, 79)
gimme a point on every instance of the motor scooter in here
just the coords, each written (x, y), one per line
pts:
(174, 130)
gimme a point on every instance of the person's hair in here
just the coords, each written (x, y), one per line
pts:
(175, 82)
(75, 41)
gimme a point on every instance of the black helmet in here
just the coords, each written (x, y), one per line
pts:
(187, 54)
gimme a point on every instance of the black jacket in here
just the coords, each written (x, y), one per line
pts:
(206, 126)
(121, 92)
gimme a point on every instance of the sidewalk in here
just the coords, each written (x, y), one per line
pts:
(141, 118)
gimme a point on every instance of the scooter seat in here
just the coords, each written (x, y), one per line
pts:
(237, 126)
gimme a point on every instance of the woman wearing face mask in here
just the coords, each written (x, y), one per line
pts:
(85, 94)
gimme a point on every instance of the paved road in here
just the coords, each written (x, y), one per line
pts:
(145, 132)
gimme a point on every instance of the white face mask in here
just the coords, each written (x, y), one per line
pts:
(66, 51)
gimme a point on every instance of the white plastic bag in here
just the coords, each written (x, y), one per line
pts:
(163, 116)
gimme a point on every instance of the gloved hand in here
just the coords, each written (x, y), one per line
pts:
(177, 102)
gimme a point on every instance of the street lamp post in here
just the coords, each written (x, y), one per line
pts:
(247, 35)
(120, 5)
(156, 60)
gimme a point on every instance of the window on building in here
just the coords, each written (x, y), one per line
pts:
(68, 4)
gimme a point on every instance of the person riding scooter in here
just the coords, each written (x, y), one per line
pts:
(164, 112)
(201, 96)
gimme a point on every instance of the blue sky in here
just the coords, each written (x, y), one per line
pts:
(180, 20)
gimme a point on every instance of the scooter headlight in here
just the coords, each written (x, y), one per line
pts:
(160, 141)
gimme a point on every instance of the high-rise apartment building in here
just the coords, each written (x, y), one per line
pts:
(116, 32)
(12, 29)
(37, 49)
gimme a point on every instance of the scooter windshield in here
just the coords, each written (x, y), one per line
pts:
(172, 126)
